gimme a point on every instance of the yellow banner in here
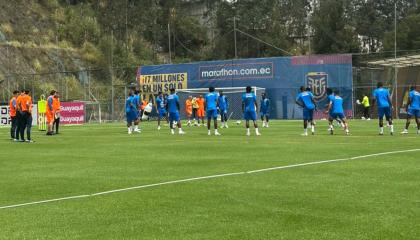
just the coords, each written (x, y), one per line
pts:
(150, 85)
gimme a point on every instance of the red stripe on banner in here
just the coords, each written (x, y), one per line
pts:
(322, 59)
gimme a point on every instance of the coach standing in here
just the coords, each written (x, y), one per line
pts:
(12, 114)
(56, 109)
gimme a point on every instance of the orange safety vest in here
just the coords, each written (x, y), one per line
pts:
(56, 104)
(29, 103)
(143, 104)
(200, 102)
(188, 106)
(22, 102)
(12, 109)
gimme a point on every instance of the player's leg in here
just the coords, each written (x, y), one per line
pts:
(13, 128)
(208, 123)
(57, 124)
(388, 116)
(158, 120)
(29, 128)
(216, 132)
(254, 119)
(381, 115)
(407, 123)
(311, 120)
(417, 118)
(23, 126)
(330, 124)
(178, 120)
(267, 119)
(345, 123)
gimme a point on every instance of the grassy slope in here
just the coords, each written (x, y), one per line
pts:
(375, 198)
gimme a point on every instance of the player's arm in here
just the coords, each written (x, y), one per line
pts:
(390, 101)
(243, 105)
(177, 105)
(329, 107)
(313, 101)
(255, 103)
(408, 103)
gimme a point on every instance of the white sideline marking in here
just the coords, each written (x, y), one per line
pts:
(207, 177)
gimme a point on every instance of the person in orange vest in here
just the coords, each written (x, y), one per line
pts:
(12, 114)
(200, 112)
(56, 108)
(143, 105)
(189, 109)
(23, 107)
(50, 112)
(29, 116)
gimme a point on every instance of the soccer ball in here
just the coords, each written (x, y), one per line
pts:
(238, 122)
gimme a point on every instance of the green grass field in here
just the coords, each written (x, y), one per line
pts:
(375, 197)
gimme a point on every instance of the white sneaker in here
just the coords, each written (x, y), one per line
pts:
(368, 119)
(405, 131)
(181, 132)
(172, 132)
(304, 134)
(226, 126)
(158, 127)
(217, 134)
(258, 134)
(209, 133)
(137, 130)
(363, 118)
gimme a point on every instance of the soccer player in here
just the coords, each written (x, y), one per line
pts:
(188, 109)
(23, 106)
(12, 113)
(305, 100)
(382, 97)
(223, 107)
(265, 109)
(195, 110)
(211, 103)
(130, 111)
(138, 109)
(330, 94)
(173, 107)
(57, 109)
(200, 112)
(413, 109)
(29, 116)
(161, 108)
(366, 107)
(50, 112)
(249, 106)
(336, 111)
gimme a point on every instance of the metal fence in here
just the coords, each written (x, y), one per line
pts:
(105, 90)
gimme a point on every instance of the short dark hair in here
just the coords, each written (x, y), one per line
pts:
(136, 92)
(172, 90)
(329, 91)
(27, 91)
(336, 92)
(302, 88)
(308, 89)
(15, 92)
(211, 89)
(412, 88)
(159, 93)
(248, 89)
(380, 84)
(52, 92)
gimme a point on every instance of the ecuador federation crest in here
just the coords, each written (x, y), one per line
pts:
(317, 82)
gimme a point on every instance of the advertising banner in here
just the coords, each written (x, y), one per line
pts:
(280, 76)
(72, 113)
(5, 118)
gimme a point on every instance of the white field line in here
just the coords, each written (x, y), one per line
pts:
(206, 177)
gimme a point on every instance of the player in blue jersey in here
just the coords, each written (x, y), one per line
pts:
(305, 99)
(249, 107)
(172, 106)
(382, 97)
(330, 97)
(161, 108)
(413, 109)
(223, 108)
(137, 104)
(130, 111)
(264, 110)
(336, 111)
(211, 103)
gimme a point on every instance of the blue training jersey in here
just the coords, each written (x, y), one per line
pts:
(381, 95)
(265, 105)
(160, 103)
(306, 99)
(136, 101)
(211, 100)
(173, 101)
(248, 99)
(415, 100)
(223, 103)
(337, 105)
(129, 106)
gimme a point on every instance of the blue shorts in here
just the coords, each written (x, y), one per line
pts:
(211, 113)
(337, 115)
(249, 115)
(384, 111)
(131, 116)
(265, 113)
(308, 114)
(162, 113)
(174, 116)
(414, 113)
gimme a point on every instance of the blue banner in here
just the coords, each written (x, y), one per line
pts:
(281, 77)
